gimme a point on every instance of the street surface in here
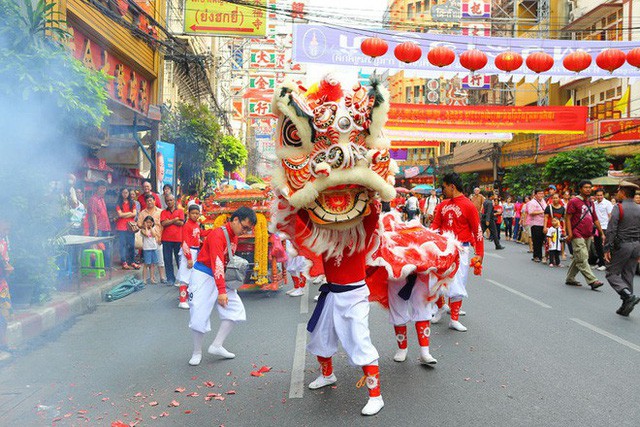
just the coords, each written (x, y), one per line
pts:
(537, 353)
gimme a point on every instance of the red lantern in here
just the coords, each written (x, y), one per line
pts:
(508, 61)
(473, 59)
(610, 59)
(374, 47)
(441, 56)
(407, 52)
(633, 57)
(577, 61)
(539, 62)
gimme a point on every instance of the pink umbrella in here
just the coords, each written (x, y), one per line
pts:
(401, 190)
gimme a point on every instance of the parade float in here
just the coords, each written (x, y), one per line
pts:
(267, 273)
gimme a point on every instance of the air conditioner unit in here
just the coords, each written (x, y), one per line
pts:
(576, 13)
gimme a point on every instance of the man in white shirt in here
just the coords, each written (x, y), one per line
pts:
(411, 206)
(603, 211)
(430, 207)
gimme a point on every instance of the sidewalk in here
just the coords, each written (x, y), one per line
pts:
(34, 321)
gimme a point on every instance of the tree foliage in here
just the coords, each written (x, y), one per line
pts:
(196, 133)
(253, 179)
(469, 181)
(575, 165)
(233, 153)
(38, 72)
(632, 165)
(522, 180)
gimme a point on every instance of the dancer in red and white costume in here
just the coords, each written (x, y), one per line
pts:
(458, 215)
(207, 287)
(409, 302)
(342, 314)
(188, 252)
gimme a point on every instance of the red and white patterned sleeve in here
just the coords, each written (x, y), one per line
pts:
(217, 251)
(475, 229)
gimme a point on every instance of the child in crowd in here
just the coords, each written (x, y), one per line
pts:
(150, 242)
(554, 239)
(188, 252)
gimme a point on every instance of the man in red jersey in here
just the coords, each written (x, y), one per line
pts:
(207, 286)
(458, 215)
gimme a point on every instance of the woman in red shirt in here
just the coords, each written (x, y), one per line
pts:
(126, 210)
(497, 213)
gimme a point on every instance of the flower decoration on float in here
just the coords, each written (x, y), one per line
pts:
(374, 47)
(611, 59)
(441, 56)
(473, 60)
(508, 61)
(577, 61)
(539, 62)
(407, 52)
(633, 57)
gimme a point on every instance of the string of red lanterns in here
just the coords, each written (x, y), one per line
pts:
(474, 60)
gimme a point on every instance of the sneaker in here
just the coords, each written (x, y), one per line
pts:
(595, 285)
(427, 359)
(195, 360)
(297, 292)
(551, 265)
(536, 260)
(184, 305)
(457, 326)
(316, 298)
(627, 305)
(220, 351)
(437, 317)
(323, 381)
(401, 355)
(373, 406)
(601, 268)
(290, 291)
(499, 248)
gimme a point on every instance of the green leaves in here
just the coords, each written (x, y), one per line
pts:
(522, 180)
(575, 165)
(233, 153)
(632, 165)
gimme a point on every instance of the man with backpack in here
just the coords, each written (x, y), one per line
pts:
(581, 220)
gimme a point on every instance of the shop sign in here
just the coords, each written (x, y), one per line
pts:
(259, 108)
(475, 29)
(455, 118)
(622, 130)
(264, 82)
(127, 86)
(557, 142)
(262, 58)
(476, 81)
(446, 12)
(476, 9)
(218, 17)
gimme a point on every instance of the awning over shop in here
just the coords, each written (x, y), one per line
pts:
(472, 157)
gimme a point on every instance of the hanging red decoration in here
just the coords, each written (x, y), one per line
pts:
(441, 56)
(473, 60)
(633, 57)
(577, 61)
(508, 61)
(610, 59)
(407, 52)
(539, 62)
(374, 47)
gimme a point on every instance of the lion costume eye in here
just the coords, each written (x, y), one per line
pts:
(289, 136)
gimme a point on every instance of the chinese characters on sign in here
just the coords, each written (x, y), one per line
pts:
(476, 9)
(127, 85)
(225, 17)
(259, 108)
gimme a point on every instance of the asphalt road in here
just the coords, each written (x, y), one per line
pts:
(537, 353)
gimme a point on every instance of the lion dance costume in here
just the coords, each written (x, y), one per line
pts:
(335, 163)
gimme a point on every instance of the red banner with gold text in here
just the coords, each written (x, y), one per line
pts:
(453, 118)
